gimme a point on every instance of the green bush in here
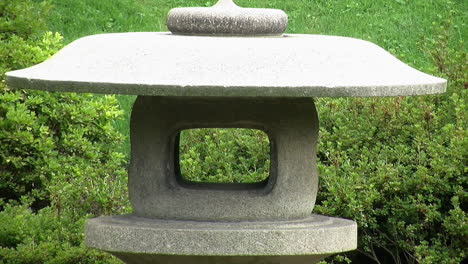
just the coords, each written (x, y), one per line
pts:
(398, 166)
(58, 163)
(224, 155)
(44, 238)
(22, 18)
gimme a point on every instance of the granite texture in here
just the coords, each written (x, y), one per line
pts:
(314, 235)
(163, 64)
(226, 18)
(156, 189)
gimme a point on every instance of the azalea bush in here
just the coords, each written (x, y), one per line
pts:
(58, 163)
(398, 166)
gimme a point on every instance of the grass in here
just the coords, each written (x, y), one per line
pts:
(400, 26)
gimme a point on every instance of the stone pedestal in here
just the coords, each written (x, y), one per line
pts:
(224, 67)
(142, 240)
(176, 221)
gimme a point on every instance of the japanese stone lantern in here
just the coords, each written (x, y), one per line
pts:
(224, 67)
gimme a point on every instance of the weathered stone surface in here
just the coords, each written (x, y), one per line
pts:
(315, 235)
(164, 64)
(157, 191)
(226, 18)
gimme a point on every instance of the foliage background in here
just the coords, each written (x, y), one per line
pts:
(58, 159)
(397, 166)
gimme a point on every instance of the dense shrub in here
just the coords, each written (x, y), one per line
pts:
(224, 155)
(43, 237)
(58, 163)
(398, 166)
(22, 18)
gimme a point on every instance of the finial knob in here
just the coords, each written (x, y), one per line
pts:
(226, 18)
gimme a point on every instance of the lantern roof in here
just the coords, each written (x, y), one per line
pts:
(216, 61)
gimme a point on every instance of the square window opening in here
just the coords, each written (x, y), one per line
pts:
(223, 158)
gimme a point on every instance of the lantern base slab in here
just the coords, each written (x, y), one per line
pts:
(142, 240)
(135, 258)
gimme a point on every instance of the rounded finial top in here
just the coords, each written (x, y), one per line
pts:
(226, 4)
(226, 18)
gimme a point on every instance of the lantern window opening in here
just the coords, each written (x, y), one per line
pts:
(237, 166)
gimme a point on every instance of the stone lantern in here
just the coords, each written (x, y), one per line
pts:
(224, 67)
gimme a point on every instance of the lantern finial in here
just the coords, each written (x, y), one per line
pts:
(226, 18)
